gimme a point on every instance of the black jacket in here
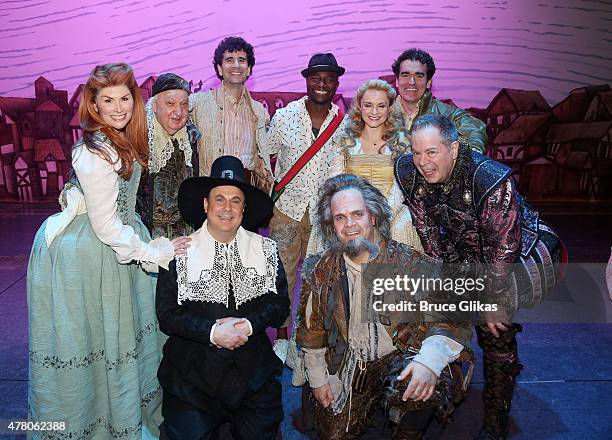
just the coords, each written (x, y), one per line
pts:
(192, 369)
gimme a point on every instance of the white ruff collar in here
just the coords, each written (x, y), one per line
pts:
(249, 263)
(160, 142)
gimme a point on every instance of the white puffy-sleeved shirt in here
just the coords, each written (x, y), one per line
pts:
(99, 182)
(437, 351)
(289, 136)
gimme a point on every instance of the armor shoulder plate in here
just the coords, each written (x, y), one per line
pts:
(530, 225)
(406, 174)
(487, 176)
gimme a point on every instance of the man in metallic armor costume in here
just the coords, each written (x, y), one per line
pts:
(466, 210)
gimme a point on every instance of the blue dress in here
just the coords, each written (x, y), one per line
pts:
(93, 334)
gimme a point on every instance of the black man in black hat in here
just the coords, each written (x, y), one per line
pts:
(303, 135)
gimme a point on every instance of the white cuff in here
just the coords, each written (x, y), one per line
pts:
(159, 251)
(212, 335)
(250, 327)
(149, 267)
(437, 352)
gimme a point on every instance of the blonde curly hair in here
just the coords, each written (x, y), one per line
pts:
(395, 136)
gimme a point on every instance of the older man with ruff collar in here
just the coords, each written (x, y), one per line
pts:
(172, 156)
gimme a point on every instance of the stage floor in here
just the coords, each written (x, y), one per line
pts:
(563, 392)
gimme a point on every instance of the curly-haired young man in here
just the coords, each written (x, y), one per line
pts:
(231, 122)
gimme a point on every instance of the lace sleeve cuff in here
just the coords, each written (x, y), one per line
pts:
(159, 251)
(250, 326)
(212, 335)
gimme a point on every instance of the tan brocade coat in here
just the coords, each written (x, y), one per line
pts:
(322, 291)
(207, 115)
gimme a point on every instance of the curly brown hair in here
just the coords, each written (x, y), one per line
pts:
(231, 45)
(394, 125)
(131, 144)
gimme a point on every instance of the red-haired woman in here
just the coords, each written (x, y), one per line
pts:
(94, 341)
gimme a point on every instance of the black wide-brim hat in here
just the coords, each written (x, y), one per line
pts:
(226, 170)
(323, 62)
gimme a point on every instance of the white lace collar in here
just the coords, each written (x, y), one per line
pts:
(160, 143)
(249, 263)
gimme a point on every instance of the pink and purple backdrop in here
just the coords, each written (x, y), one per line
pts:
(479, 46)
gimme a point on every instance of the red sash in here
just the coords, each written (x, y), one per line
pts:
(308, 154)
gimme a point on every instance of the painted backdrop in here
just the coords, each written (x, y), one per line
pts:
(537, 74)
(479, 46)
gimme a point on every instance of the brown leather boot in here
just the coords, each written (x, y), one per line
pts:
(501, 367)
(413, 424)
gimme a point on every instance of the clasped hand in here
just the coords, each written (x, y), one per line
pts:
(231, 332)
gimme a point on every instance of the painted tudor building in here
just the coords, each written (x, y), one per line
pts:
(35, 142)
(36, 138)
(563, 152)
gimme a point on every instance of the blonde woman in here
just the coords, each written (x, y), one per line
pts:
(373, 138)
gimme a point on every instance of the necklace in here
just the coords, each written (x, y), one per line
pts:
(374, 145)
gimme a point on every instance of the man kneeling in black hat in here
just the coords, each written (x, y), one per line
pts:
(215, 303)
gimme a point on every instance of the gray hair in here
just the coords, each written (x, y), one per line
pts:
(375, 203)
(448, 131)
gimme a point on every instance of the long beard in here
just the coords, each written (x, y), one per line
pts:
(354, 248)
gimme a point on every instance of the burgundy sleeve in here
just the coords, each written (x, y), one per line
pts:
(501, 231)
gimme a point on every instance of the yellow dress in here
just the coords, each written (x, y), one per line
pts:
(378, 170)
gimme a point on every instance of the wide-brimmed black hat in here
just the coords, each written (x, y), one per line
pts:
(226, 170)
(323, 62)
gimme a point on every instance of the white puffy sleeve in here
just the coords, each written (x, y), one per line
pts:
(437, 352)
(100, 184)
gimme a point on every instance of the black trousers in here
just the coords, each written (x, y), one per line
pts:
(252, 415)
